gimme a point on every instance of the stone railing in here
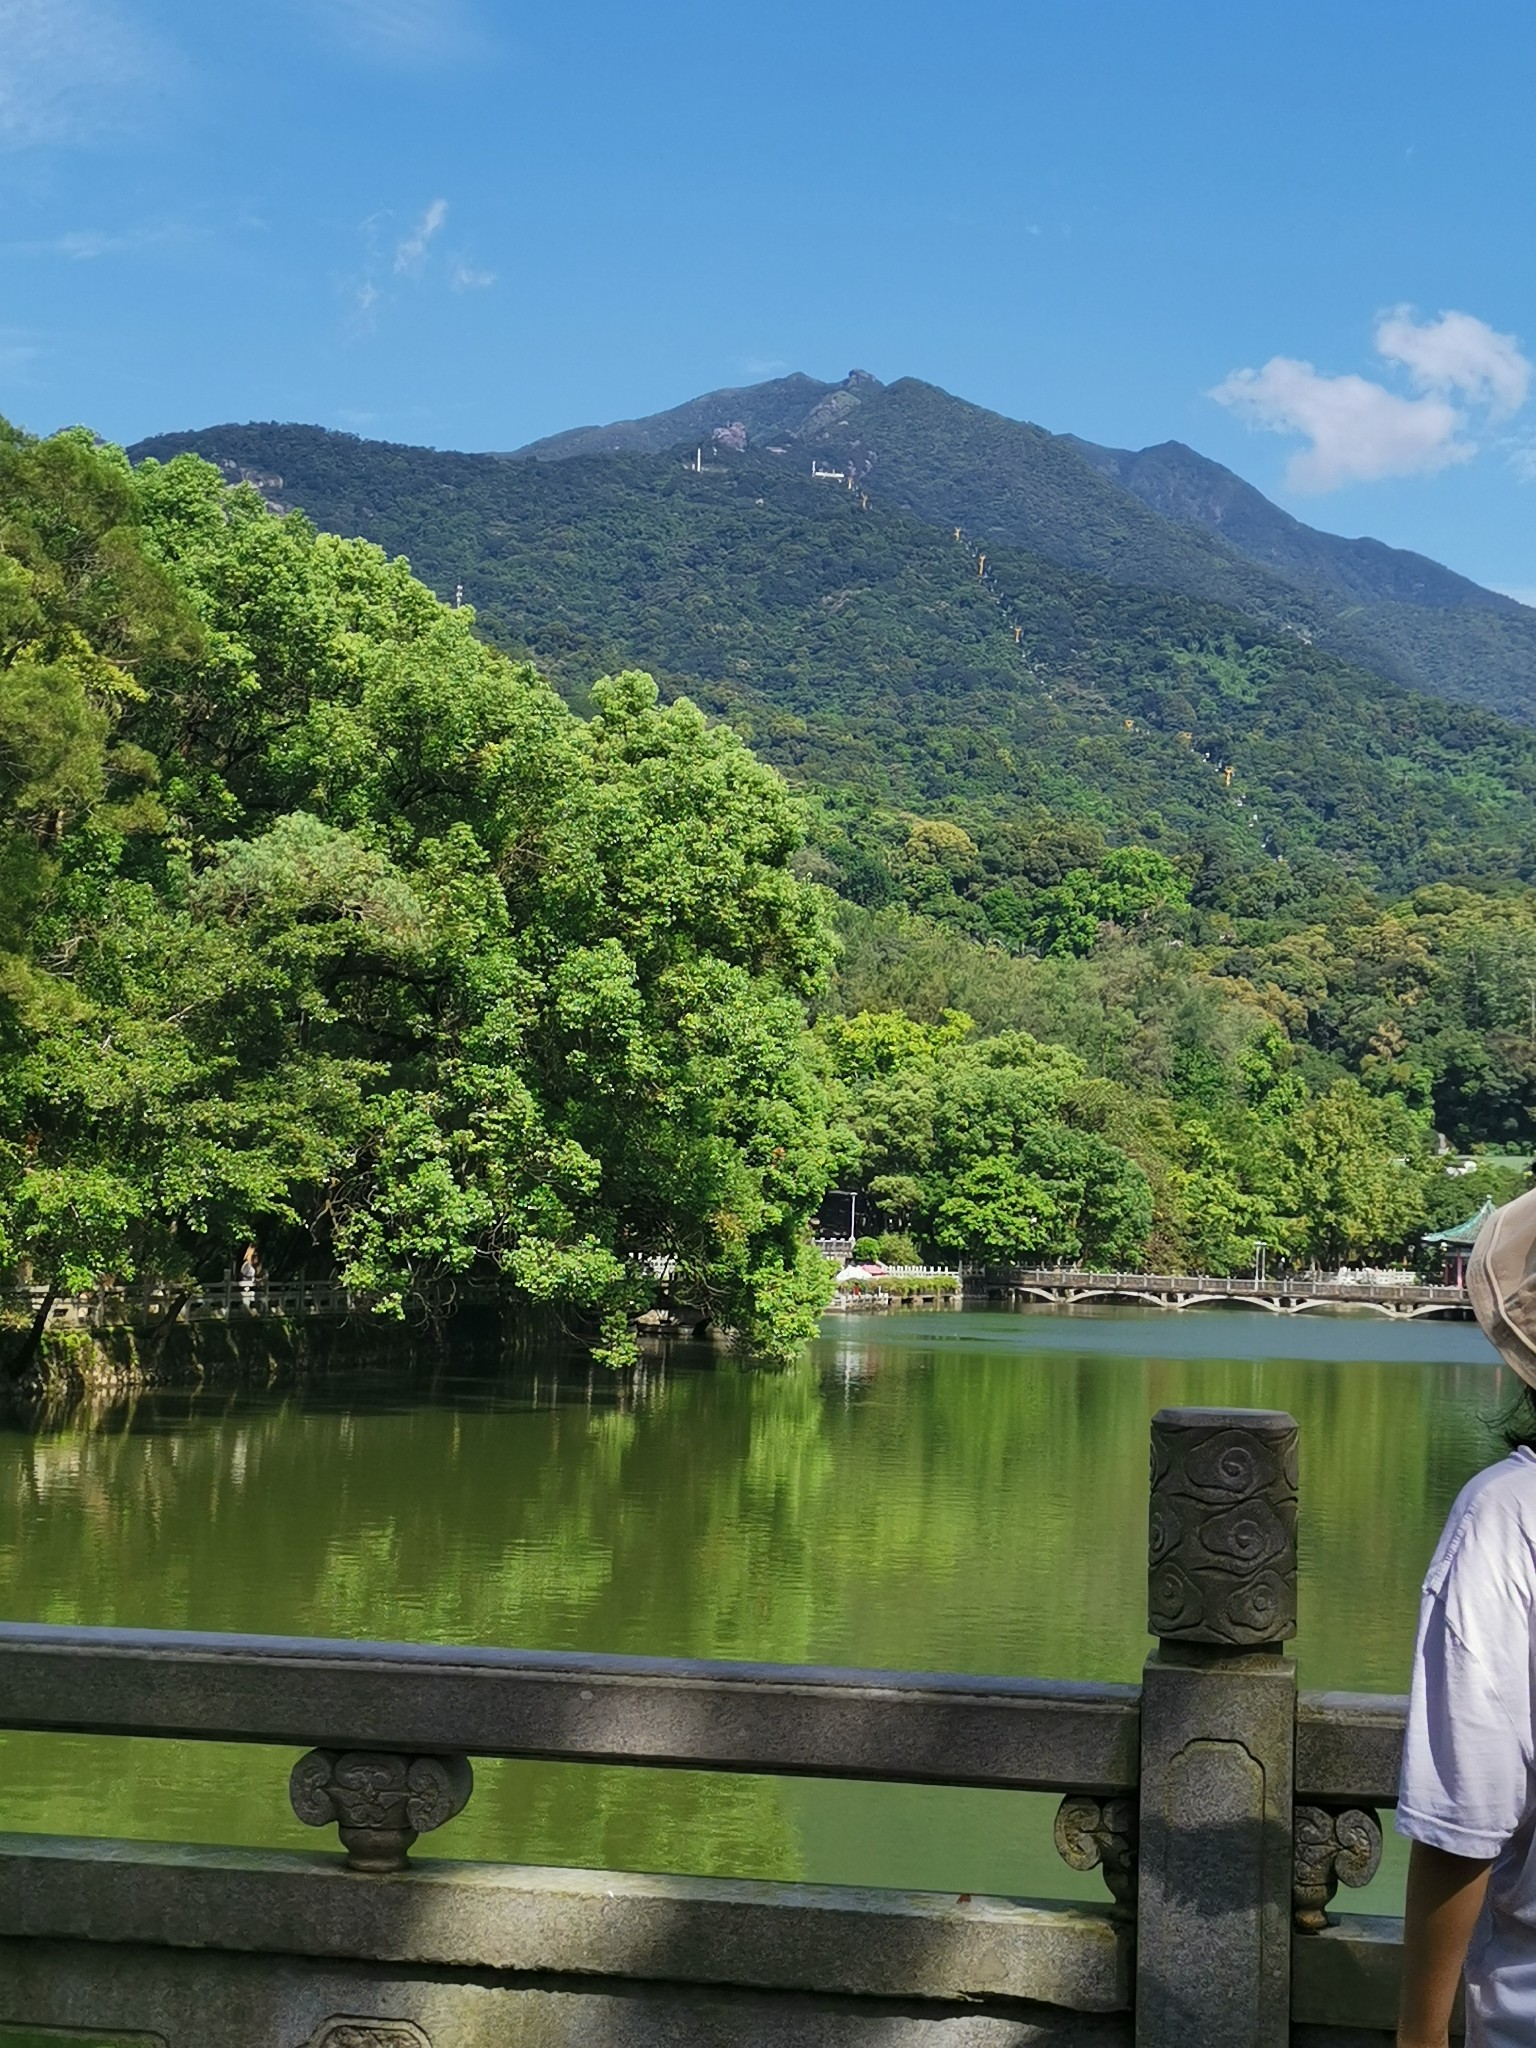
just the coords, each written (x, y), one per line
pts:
(1221, 1811)
(156, 1302)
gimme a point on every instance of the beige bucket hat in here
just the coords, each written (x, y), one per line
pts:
(1501, 1280)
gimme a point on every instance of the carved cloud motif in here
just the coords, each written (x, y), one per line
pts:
(1222, 1529)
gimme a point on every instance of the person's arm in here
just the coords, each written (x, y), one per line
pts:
(1445, 1896)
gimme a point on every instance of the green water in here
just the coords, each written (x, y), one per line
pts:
(948, 1492)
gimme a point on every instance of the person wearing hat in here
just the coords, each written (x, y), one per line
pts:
(1467, 1796)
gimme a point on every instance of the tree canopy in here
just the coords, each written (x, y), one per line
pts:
(329, 926)
(995, 1146)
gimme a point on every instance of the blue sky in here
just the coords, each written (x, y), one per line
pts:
(471, 222)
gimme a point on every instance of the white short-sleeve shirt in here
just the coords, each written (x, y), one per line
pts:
(1469, 1761)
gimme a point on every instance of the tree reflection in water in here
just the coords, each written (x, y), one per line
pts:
(943, 1492)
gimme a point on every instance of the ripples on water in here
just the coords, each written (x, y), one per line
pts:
(953, 1491)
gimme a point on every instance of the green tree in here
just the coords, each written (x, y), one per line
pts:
(996, 1209)
(981, 1145)
(347, 935)
(1356, 1170)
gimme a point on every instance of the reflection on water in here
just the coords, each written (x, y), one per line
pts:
(961, 1492)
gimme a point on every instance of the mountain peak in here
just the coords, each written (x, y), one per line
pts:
(781, 408)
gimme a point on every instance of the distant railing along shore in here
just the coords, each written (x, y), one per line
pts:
(157, 1301)
(154, 1303)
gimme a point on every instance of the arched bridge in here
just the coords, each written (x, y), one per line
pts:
(1065, 1288)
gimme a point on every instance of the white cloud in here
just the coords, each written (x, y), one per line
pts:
(1359, 431)
(84, 245)
(1460, 354)
(1463, 376)
(72, 71)
(411, 253)
(391, 266)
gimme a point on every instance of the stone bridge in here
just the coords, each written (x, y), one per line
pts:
(1064, 1287)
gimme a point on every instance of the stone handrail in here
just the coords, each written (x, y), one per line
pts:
(1221, 1809)
(1016, 1734)
(1349, 1746)
(110, 1306)
(1013, 1734)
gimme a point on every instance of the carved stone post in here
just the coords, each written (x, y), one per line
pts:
(1218, 1733)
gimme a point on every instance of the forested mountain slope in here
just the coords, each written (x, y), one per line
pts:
(1417, 620)
(865, 649)
(1162, 517)
(1195, 491)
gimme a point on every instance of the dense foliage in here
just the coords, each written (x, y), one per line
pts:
(1020, 790)
(1393, 611)
(1161, 519)
(1015, 484)
(328, 926)
(1009, 1149)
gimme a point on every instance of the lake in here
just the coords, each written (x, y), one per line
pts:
(953, 1491)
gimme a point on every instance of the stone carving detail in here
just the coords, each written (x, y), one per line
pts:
(380, 1802)
(1333, 1846)
(1221, 1539)
(1100, 1834)
(361, 2033)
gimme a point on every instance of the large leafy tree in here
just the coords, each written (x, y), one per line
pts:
(343, 932)
(1357, 1171)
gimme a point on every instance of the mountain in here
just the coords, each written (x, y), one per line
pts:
(784, 405)
(1195, 491)
(878, 658)
(1416, 620)
(1162, 518)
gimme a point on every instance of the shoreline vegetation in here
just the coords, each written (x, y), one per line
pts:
(266, 1351)
(80, 1368)
(328, 929)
